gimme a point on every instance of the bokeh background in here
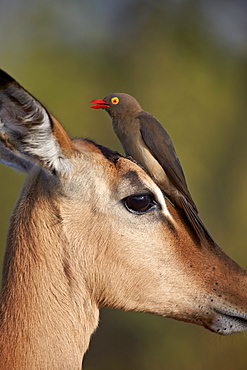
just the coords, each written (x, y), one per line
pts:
(185, 61)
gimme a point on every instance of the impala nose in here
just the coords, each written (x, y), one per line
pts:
(227, 322)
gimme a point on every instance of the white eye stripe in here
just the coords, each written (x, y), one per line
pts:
(161, 199)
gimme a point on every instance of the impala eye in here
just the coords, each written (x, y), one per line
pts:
(139, 203)
(115, 100)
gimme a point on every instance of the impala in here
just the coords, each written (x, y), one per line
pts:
(92, 229)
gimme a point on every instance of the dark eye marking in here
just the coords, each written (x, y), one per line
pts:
(140, 203)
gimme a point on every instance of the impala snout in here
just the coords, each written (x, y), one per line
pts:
(229, 322)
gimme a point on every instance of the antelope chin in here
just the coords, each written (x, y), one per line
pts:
(229, 322)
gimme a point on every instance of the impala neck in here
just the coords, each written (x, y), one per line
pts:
(45, 308)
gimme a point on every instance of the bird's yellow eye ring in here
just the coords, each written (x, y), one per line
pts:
(115, 100)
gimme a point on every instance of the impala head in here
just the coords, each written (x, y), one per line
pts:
(105, 230)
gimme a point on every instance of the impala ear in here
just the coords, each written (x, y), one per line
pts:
(9, 158)
(29, 133)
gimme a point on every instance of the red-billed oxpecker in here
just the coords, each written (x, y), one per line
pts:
(146, 141)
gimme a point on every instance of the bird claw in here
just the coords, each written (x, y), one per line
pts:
(138, 164)
(131, 159)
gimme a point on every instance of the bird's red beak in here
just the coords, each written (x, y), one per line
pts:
(99, 103)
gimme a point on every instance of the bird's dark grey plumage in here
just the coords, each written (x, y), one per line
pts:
(146, 141)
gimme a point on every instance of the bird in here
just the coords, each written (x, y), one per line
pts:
(145, 140)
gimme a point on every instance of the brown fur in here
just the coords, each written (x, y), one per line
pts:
(61, 136)
(73, 247)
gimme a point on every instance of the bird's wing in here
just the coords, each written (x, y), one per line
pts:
(161, 147)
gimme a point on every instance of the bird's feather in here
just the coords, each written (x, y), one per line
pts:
(163, 151)
(161, 147)
(195, 221)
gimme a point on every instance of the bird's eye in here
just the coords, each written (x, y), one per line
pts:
(139, 203)
(115, 100)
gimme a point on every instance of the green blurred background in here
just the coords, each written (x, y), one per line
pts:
(185, 62)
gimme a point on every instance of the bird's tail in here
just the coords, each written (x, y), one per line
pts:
(196, 222)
